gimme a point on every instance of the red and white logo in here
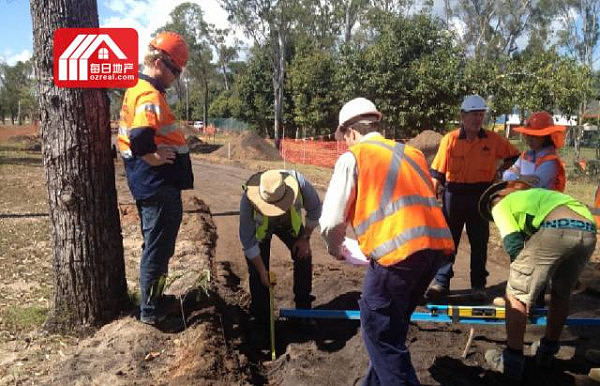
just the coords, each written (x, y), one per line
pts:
(95, 57)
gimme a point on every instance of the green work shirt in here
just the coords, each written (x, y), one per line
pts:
(524, 210)
(519, 215)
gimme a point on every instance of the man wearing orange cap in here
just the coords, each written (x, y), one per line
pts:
(158, 166)
(540, 164)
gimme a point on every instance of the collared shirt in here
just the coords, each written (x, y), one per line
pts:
(526, 166)
(310, 201)
(340, 199)
(147, 123)
(461, 162)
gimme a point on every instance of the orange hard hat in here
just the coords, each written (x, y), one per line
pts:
(173, 45)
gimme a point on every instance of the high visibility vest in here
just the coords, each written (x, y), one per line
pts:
(596, 209)
(396, 212)
(145, 107)
(561, 178)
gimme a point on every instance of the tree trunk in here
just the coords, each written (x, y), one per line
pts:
(90, 286)
(278, 78)
(224, 69)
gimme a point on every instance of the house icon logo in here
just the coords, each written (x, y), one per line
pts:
(95, 57)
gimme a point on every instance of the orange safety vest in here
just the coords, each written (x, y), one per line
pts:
(144, 106)
(561, 178)
(596, 209)
(396, 212)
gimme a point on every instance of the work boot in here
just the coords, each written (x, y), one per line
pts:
(259, 332)
(594, 374)
(307, 326)
(544, 352)
(593, 356)
(436, 292)
(170, 305)
(478, 294)
(510, 364)
(153, 320)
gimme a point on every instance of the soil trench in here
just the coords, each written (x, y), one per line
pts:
(334, 354)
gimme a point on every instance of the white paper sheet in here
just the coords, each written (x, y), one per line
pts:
(352, 253)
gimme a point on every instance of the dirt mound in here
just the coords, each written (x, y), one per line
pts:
(428, 142)
(195, 144)
(8, 131)
(192, 350)
(29, 142)
(249, 146)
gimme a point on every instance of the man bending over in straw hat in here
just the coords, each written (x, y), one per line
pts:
(271, 205)
(548, 235)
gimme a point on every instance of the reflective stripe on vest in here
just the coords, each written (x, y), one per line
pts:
(400, 216)
(295, 217)
(152, 112)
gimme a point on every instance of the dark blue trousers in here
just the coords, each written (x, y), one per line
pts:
(389, 297)
(259, 308)
(461, 209)
(160, 217)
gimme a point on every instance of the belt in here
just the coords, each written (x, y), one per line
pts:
(569, 223)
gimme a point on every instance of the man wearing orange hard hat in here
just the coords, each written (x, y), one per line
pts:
(158, 167)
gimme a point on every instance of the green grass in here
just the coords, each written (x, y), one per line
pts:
(23, 318)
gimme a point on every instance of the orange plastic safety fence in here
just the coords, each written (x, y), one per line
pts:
(312, 152)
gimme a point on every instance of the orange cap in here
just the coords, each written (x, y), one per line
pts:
(173, 45)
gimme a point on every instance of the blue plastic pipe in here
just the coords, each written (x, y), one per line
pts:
(424, 317)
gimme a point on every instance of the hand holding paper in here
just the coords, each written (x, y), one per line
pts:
(352, 253)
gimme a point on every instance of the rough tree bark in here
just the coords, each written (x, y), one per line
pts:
(90, 286)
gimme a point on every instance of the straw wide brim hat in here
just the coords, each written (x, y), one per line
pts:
(272, 192)
(497, 189)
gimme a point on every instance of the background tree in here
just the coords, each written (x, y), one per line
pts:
(411, 70)
(90, 287)
(268, 23)
(254, 88)
(18, 97)
(580, 32)
(315, 108)
(187, 19)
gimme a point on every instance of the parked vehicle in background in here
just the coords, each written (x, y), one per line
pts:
(198, 125)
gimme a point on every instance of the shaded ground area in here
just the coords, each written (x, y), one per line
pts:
(209, 273)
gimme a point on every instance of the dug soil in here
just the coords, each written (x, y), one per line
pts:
(209, 343)
(249, 146)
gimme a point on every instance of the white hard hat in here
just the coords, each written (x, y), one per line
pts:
(473, 103)
(355, 108)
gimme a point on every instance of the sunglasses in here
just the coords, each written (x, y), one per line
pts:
(174, 70)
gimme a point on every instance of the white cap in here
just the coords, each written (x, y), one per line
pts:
(355, 108)
(473, 103)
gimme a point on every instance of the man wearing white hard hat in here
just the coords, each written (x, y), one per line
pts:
(463, 168)
(383, 190)
(272, 204)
